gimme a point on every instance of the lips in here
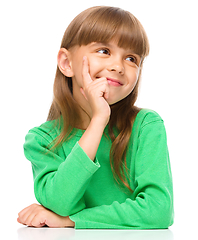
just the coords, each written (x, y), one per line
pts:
(114, 82)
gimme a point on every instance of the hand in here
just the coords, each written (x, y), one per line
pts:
(38, 216)
(96, 93)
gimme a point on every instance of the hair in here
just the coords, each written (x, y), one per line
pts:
(102, 24)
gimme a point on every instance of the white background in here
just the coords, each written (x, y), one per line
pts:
(31, 33)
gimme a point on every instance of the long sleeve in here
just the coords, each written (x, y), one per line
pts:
(59, 182)
(151, 204)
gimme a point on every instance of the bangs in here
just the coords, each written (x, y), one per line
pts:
(104, 24)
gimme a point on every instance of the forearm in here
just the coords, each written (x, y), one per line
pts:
(90, 140)
(62, 189)
(132, 214)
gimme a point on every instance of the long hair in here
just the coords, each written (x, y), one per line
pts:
(102, 24)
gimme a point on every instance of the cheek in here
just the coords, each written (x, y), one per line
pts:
(95, 67)
(133, 77)
(77, 69)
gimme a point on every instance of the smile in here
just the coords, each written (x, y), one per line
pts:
(114, 82)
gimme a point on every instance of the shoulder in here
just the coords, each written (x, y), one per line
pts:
(146, 116)
(147, 119)
(47, 131)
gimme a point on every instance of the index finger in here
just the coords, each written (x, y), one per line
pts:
(85, 72)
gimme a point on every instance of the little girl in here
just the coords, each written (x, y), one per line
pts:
(99, 161)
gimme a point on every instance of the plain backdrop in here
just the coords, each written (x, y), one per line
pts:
(31, 33)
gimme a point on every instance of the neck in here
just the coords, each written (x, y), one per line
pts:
(84, 120)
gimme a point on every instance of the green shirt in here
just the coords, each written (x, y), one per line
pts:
(67, 182)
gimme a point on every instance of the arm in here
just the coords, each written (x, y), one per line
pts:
(60, 183)
(151, 204)
(95, 92)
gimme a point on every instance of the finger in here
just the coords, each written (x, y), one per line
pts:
(85, 72)
(106, 93)
(102, 85)
(22, 212)
(18, 220)
(26, 215)
(38, 221)
(29, 208)
(26, 212)
(21, 222)
(28, 221)
(23, 215)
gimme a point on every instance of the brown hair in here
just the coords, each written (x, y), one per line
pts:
(102, 24)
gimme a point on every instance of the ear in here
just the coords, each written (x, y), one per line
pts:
(64, 62)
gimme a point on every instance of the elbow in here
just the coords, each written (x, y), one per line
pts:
(163, 216)
(162, 210)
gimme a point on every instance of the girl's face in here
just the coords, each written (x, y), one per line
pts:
(119, 66)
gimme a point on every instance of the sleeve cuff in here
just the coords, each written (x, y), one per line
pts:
(84, 160)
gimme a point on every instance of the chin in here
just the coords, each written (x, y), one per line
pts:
(112, 102)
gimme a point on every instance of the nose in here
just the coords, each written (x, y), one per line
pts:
(116, 66)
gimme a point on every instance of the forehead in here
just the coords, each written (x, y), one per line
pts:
(123, 37)
(106, 26)
(103, 24)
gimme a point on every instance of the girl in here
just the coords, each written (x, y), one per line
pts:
(99, 161)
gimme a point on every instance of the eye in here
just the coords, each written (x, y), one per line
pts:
(132, 59)
(104, 51)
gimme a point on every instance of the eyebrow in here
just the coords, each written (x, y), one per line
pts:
(109, 45)
(100, 43)
(95, 44)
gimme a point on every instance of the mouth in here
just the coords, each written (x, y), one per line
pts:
(114, 82)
